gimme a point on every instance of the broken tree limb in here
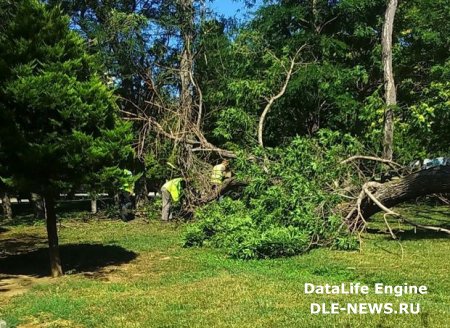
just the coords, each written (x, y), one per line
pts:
(205, 145)
(402, 218)
(384, 208)
(221, 152)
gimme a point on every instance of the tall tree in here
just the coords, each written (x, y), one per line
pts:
(121, 33)
(186, 23)
(389, 83)
(59, 122)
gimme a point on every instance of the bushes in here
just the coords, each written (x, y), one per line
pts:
(288, 204)
(227, 225)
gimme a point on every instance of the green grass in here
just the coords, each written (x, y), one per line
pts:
(167, 285)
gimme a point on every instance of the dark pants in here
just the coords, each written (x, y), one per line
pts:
(126, 203)
(216, 190)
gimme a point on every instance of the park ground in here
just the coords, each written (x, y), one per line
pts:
(138, 274)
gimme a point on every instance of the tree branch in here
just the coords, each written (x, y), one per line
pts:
(372, 158)
(277, 96)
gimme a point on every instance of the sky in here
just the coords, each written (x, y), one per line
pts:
(230, 8)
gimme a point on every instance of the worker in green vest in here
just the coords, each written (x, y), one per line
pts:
(171, 193)
(219, 173)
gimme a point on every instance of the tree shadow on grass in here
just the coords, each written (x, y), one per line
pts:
(19, 220)
(418, 234)
(410, 233)
(76, 258)
(19, 244)
(376, 231)
(439, 211)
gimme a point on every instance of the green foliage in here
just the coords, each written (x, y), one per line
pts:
(339, 83)
(285, 211)
(428, 121)
(157, 162)
(60, 126)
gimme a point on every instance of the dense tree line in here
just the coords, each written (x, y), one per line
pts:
(337, 81)
(169, 87)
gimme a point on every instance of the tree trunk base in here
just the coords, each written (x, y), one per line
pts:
(52, 233)
(6, 204)
(426, 182)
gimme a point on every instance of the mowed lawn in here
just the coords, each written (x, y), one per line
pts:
(138, 274)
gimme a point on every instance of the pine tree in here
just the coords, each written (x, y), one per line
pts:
(59, 122)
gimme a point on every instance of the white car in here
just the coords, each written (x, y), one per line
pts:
(434, 162)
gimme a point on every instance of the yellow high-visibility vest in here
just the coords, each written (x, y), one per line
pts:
(174, 188)
(218, 174)
(128, 185)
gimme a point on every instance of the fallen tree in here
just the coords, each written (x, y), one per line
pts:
(376, 197)
(310, 193)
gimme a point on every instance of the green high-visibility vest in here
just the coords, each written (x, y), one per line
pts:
(217, 174)
(174, 188)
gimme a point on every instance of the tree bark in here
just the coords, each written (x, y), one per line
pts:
(226, 185)
(52, 233)
(141, 192)
(6, 204)
(93, 205)
(389, 84)
(186, 72)
(315, 12)
(38, 206)
(421, 183)
(186, 63)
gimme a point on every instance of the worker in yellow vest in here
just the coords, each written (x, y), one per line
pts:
(171, 193)
(219, 173)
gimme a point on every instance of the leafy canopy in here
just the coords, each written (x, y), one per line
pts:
(59, 125)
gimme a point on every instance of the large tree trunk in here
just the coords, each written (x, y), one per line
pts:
(52, 233)
(187, 61)
(141, 193)
(421, 183)
(140, 187)
(6, 204)
(38, 206)
(389, 84)
(186, 79)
